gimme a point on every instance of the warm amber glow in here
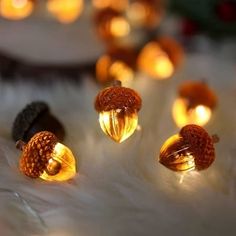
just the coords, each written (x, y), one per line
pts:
(16, 9)
(118, 125)
(66, 11)
(155, 62)
(137, 13)
(107, 70)
(176, 156)
(119, 27)
(116, 5)
(199, 115)
(67, 166)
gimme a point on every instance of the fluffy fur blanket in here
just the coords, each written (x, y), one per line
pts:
(121, 189)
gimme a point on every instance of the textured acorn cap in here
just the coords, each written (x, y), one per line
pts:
(200, 143)
(198, 93)
(117, 97)
(36, 153)
(35, 117)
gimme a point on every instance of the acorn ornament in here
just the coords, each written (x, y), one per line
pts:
(44, 157)
(191, 149)
(118, 111)
(194, 104)
(36, 117)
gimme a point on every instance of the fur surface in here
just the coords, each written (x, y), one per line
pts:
(121, 189)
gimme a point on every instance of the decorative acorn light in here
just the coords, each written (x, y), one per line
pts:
(160, 58)
(145, 13)
(44, 157)
(16, 9)
(191, 149)
(36, 117)
(194, 104)
(66, 11)
(116, 5)
(117, 64)
(111, 24)
(118, 111)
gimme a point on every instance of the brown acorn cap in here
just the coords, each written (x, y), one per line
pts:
(36, 153)
(200, 143)
(118, 97)
(198, 93)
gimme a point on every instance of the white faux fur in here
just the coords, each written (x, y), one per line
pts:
(121, 189)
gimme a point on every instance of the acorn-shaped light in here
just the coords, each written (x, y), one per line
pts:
(118, 111)
(36, 117)
(44, 157)
(65, 11)
(117, 64)
(191, 149)
(145, 13)
(194, 104)
(16, 9)
(160, 58)
(120, 5)
(111, 24)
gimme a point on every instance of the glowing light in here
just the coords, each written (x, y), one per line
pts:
(61, 166)
(119, 27)
(176, 156)
(116, 5)
(16, 9)
(137, 13)
(66, 11)
(182, 116)
(155, 62)
(118, 125)
(107, 70)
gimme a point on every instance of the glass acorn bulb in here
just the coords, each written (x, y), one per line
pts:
(117, 64)
(194, 104)
(160, 58)
(191, 149)
(66, 11)
(116, 5)
(118, 111)
(145, 13)
(44, 157)
(16, 9)
(111, 24)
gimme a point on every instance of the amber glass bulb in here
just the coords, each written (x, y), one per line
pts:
(111, 24)
(16, 9)
(194, 104)
(199, 115)
(119, 5)
(145, 13)
(118, 111)
(155, 62)
(66, 11)
(43, 157)
(191, 149)
(117, 124)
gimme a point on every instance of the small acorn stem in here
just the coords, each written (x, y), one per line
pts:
(215, 138)
(117, 83)
(20, 145)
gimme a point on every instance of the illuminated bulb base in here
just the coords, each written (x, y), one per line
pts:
(199, 115)
(176, 156)
(62, 163)
(118, 125)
